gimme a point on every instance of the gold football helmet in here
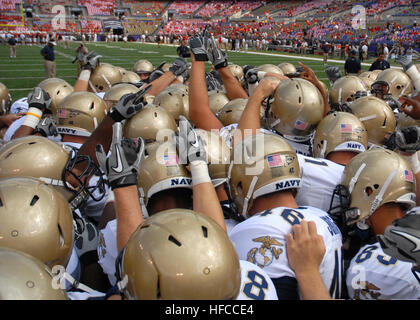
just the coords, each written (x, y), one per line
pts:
(267, 163)
(173, 101)
(399, 82)
(339, 131)
(5, 99)
(217, 100)
(232, 111)
(297, 108)
(58, 89)
(270, 68)
(218, 153)
(179, 86)
(161, 170)
(344, 88)
(113, 95)
(287, 68)
(130, 77)
(80, 114)
(36, 219)
(104, 77)
(23, 277)
(50, 162)
(143, 66)
(237, 71)
(368, 78)
(149, 122)
(377, 117)
(373, 178)
(180, 254)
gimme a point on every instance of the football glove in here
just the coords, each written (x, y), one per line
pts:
(408, 139)
(39, 99)
(129, 105)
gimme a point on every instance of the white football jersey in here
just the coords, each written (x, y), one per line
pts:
(20, 105)
(319, 179)
(108, 250)
(261, 240)
(255, 283)
(374, 275)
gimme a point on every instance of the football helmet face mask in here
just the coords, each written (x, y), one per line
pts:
(104, 77)
(377, 117)
(399, 82)
(113, 95)
(58, 89)
(36, 219)
(217, 100)
(344, 89)
(297, 109)
(148, 123)
(371, 179)
(268, 164)
(405, 121)
(80, 114)
(193, 258)
(23, 277)
(52, 163)
(161, 170)
(339, 131)
(5, 99)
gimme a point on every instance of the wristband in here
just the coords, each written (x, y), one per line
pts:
(84, 75)
(199, 172)
(413, 160)
(33, 117)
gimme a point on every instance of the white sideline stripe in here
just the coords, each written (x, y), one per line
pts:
(278, 55)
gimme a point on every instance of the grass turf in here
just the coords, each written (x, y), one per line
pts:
(23, 73)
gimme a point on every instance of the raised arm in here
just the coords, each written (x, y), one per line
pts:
(122, 168)
(219, 60)
(205, 198)
(199, 111)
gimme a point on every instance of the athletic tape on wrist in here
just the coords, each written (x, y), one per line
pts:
(199, 172)
(84, 75)
(33, 117)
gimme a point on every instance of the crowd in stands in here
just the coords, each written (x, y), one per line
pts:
(98, 7)
(145, 8)
(243, 6)
(184, 8)
(46, 6)
(8, 5)
(132, 26)
(213, 7)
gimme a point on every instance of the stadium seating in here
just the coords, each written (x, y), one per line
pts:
(240, 6)
(184, 8)
(46, 6)
(98, 7)
(133, 26)
(211, 8)
(145, 8)
(8, 5)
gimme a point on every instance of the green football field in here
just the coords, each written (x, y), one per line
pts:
(23, 73)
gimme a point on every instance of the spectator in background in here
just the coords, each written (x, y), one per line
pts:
(386, 51)
(326, 48)
(380, 63)
(364, 52)
(12, 46)
(352, 67)
(49, 59)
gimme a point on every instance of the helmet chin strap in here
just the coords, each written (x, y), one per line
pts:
(378, 199)
(248, 196)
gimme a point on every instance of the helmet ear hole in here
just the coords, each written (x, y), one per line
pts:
(376, 186)
(205, 231)
(368, 191)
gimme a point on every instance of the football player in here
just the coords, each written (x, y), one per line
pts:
(263, 186)
(378, 187)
